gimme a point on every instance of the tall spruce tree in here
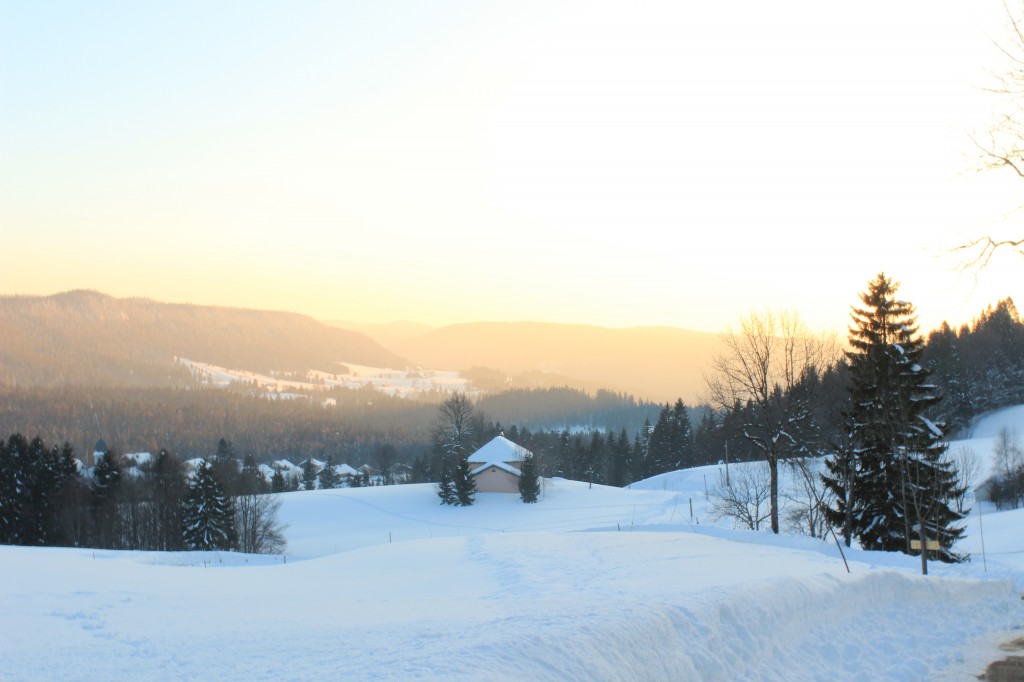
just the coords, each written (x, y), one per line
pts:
(309, 474)
(277, 482)
(529, 480)
(446, 483)
(207, 515)
(892, 484)
(465, 482)
(168, 489)
(620, 464)
(104, 497)
(682, 437)
(328, 476)
(660, 454)
(641, 451)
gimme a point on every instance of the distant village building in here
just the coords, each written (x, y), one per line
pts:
(496, 466)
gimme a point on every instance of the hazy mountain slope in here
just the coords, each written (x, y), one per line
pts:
(387, 334)
(90, 338)
(660, 363)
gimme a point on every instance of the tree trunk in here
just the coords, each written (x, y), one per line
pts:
(773, 469)
(848, 521)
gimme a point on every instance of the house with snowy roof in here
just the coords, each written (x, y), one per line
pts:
(496, 466)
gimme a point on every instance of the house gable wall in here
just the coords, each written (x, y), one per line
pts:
(495, 480)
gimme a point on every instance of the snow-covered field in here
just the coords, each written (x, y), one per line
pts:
(589, 584)
(402, 383)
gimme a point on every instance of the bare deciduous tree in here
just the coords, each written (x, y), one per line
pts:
(968, 473)
(978, 252)
(771, 363)
(259, 531)
(455, 429)
(807, 497)
(744, 496)
(1001, 147)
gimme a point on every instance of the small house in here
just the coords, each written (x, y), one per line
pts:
(496, 466)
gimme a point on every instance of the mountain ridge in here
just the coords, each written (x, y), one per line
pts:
(87, 337)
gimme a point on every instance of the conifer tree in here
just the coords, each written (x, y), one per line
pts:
(641, 451)
(683, 441)
(328, 476)
(660, 444)
(208, 515)
(251, 480)
(309, 474)
(620, 471)
(594, 469)
(62, 480)
(420, 471)
(226, 467)
(169, 486)
(892, 484)
(446, 482)
(12, 485)
(465, 482)
(277, 482)
(104, 498)
(671, 442)
(529, 480)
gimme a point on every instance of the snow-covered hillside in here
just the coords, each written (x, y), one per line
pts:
(393, 382)
(588, 584)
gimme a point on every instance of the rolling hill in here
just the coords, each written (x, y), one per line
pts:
(86, 337)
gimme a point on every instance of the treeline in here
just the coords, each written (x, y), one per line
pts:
(47, 499)
(191, 421)
(568, 408)
(980, 367)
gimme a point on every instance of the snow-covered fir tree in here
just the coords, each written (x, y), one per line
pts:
(446, 483)
(893, 485)
(277, 482)
(465, 482)
(104, 493)
(207, 515)
(309, 474)
(328, 476)
(529, 480)
(671, 442)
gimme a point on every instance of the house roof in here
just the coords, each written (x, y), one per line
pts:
(501, 465)
(499, 449)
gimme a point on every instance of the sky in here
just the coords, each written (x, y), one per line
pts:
(611, 163)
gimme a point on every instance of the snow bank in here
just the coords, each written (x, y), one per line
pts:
(537, 605)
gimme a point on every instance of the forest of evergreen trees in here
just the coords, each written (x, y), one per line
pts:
(47, 498)
(190, 421)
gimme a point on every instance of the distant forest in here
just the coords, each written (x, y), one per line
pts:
(190, 421)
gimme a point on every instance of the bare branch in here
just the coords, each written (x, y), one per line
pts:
(984, 248)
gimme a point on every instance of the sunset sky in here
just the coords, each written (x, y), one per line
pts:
(613, 163)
